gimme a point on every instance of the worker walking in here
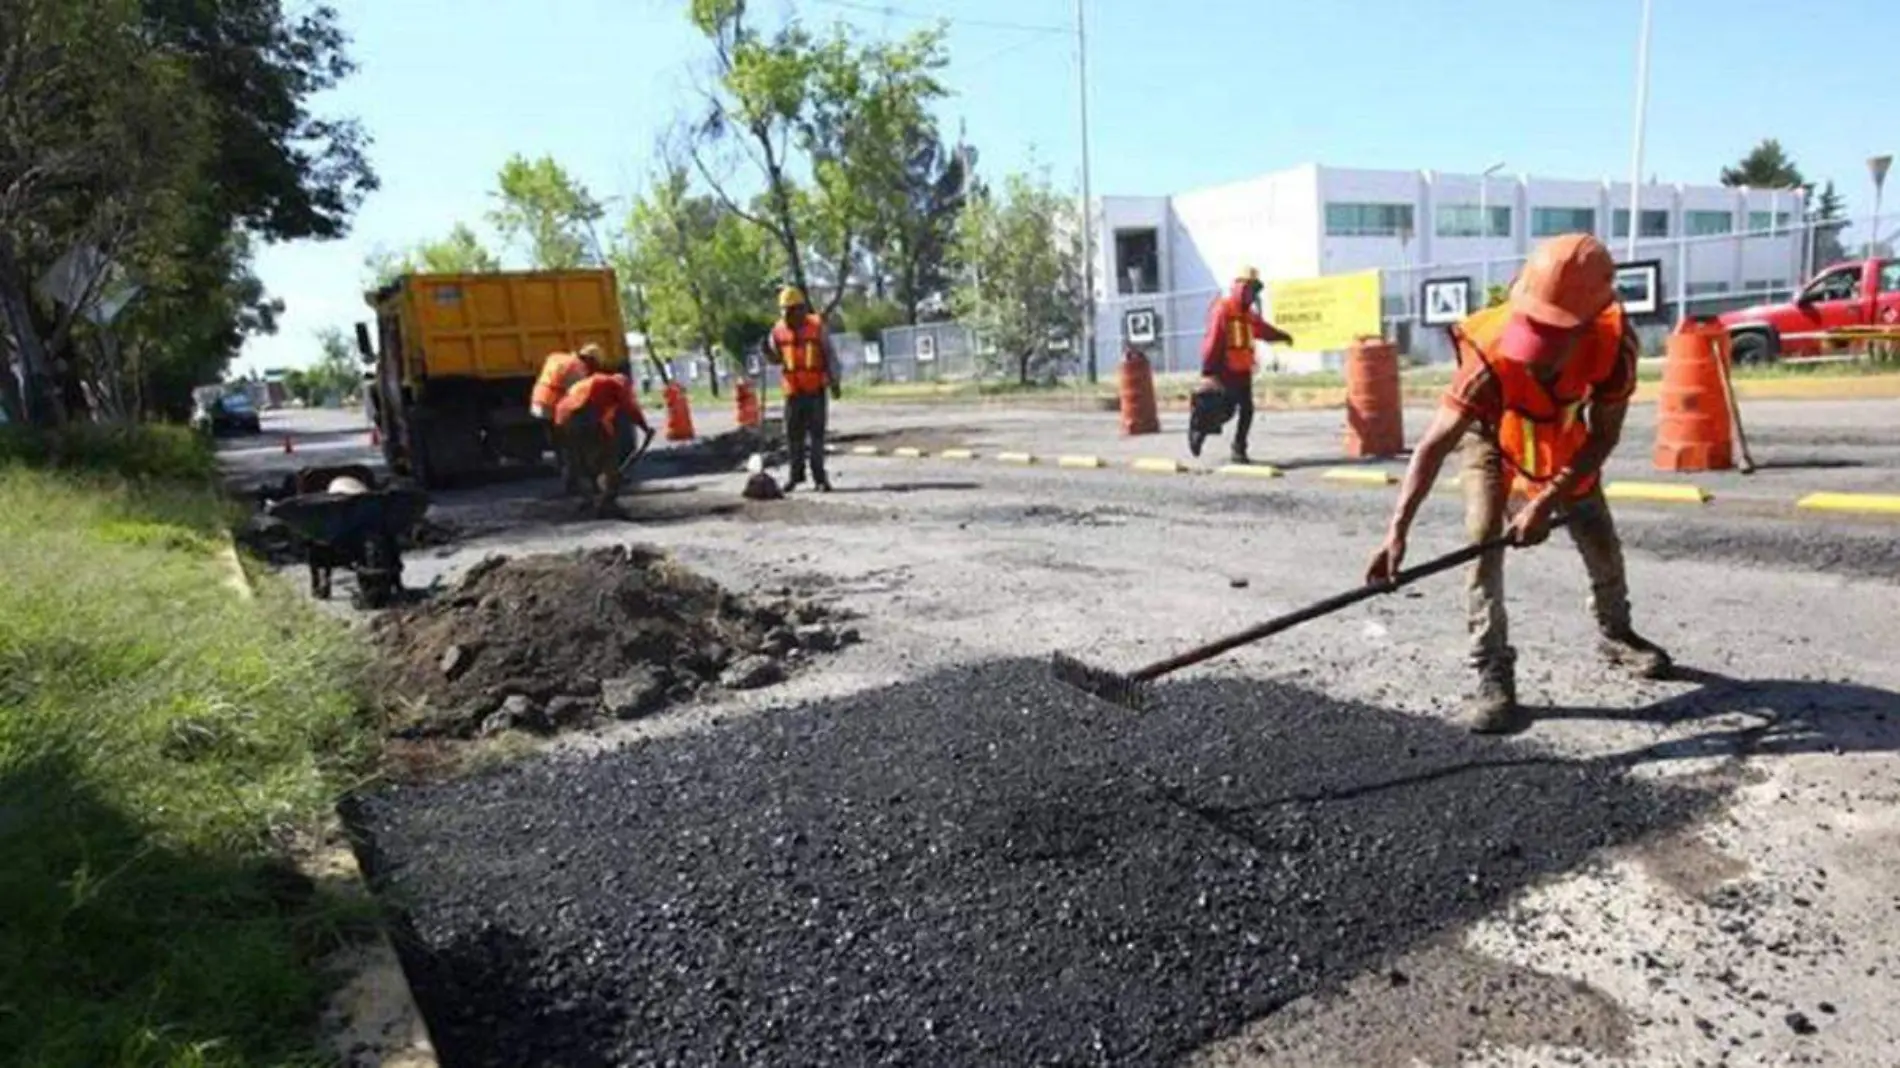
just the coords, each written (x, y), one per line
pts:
(559, 373)
(1227, 363)
(589, 418)
(801, 347)
(1538, 401)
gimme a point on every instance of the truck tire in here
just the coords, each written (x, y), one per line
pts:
(1752, 347)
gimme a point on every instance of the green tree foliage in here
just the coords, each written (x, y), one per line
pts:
(334, 378)
(1022, 259)
(461, 252)
(917, 230)
(837, 112)
(1767, 166)
(547, 213)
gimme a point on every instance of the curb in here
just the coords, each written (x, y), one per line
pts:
(1249, 470)
(374, 1012)
(237, 579)
(910, 453)
(866, 450)
(1372, 476)
(957, 454)
(1871, 503)
(1015, 458)
(1081, 461)
(1676, 492)
(1159, 466)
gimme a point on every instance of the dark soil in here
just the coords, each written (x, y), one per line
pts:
(979, 867)
(550, 642)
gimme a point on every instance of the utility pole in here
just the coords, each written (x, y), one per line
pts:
(1088, 215)
(1642, 117)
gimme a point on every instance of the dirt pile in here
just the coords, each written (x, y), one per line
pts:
(545, 643)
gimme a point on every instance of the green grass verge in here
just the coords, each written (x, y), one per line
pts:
(162, 741)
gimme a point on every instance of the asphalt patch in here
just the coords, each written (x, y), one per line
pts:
(981, 866)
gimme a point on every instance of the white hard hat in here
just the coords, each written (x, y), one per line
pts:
(347, 484)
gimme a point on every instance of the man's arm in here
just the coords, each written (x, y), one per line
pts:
(1605, 419)
(1448, 427)
(1268, 332)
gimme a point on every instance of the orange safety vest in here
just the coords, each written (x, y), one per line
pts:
(801, 354)
(1541, 429)
(559, 372)
(1239, 340)
(601, 396)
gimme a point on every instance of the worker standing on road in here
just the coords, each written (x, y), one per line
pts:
(801, 347)
(1227, 362)
(589, 419)
(1542, 386)
(559, 373)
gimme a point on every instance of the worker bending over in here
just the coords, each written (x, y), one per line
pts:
(1227, 362)
(589, 420)
(559, 372)
(1542, 386)
(801, 347)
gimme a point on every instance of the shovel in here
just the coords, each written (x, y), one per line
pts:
(634, 456)
(1131, 690)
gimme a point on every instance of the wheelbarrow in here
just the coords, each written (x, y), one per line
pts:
(353, 524)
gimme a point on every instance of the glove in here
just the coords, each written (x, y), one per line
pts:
(837, 391)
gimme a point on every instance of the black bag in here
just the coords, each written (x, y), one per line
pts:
(1209, 410)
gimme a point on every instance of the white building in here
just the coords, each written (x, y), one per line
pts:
(1174, 253)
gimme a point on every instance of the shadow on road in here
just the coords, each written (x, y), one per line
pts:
(907, 487)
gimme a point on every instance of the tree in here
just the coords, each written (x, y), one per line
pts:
(461, 252)
(838, 110)
(911, 243)
(1022, 258)
(548, 213)
(1766, 166)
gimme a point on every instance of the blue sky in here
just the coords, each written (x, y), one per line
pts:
(1211, 91)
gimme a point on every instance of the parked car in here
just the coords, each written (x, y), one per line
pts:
(1862, 293)
(229, 413)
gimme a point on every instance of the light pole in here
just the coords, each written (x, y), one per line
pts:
(1484, 226)
(1877, 167)
(1642, 116)
(1088, 219)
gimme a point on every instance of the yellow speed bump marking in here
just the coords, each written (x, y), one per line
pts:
(1158, 465)
(1376, 476)
(1015, 458)
(1250, 470)
(866, 450)
(1877, 503)
(957, 454)
(1080, 461)
(1674, 492)
(910, 452)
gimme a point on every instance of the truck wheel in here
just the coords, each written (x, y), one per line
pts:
(1752, 348)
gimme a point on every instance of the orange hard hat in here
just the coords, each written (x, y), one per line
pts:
(1568, 281)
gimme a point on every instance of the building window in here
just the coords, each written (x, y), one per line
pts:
(1549, 222)
(1703, 289)
(1368, 220)
(1704, 223)
(1392, 306)
(1765, 285)
(1137, 262)
(1655, 223)
(1461, 220)
(1759, 220)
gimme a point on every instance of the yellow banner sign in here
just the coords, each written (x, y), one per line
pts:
(1328, 313)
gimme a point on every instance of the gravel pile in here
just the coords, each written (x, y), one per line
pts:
(977, 867)
(551, 642)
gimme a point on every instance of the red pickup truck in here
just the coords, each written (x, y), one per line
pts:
(1862, 293)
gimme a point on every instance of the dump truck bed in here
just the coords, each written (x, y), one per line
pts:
(503, 325)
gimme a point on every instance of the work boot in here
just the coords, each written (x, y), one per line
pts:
(1494, 708)
(1634, 653)
(1196, 436)
(797, 480)
(823, 484)
(1239, 456)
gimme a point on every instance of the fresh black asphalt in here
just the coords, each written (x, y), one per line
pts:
(978, 867)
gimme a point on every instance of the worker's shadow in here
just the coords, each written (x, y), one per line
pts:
(1759, 717)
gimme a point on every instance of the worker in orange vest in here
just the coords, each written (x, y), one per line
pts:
(589, 417)
(1543, 384)
(801, 347)
(1227, 363)
(559, 372)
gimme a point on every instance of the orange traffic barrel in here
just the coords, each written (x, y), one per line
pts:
(745, 402)
(679, 415)
(1692, 423)
(1375, 416)
(1138, 395)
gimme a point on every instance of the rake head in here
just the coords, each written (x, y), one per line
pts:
(1110, 686)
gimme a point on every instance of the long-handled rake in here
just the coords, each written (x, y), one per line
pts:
(1131, 690)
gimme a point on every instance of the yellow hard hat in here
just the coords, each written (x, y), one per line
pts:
(791, 297)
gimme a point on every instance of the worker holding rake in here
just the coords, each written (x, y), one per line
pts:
(1538, 402)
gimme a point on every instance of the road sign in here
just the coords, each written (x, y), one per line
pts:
(1639, 287)
(1140, 326)
(926, 348)
(1445, 300)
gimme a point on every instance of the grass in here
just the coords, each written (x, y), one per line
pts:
(162, 743)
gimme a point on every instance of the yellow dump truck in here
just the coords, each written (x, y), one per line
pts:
(456, 355)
